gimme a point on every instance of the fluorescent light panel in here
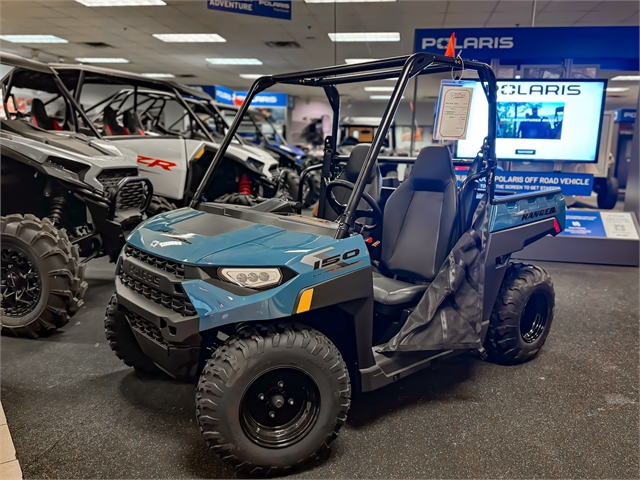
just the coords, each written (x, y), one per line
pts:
(33, 39)
(234, 61)
(189, 37)
(250, 76)
(365, 37)
(381, 97)
(626, 78)
(349, 1)
(352, 61)
(101, 60)
(158, 75)
(378, 89)
(617, 89)
(121, 3)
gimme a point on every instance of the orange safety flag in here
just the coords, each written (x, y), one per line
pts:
(451, 46)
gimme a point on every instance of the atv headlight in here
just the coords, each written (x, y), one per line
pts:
(257, 278)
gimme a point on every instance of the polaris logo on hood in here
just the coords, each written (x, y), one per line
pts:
(476, 43)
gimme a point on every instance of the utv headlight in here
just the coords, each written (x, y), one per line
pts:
(258, 278)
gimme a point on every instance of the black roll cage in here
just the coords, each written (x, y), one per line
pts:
(404, 68)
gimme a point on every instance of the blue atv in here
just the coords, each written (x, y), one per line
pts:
(280, 317)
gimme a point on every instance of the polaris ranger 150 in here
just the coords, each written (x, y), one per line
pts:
(279, 316)
(64, 196)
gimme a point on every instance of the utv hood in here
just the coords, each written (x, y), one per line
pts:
(199, 238)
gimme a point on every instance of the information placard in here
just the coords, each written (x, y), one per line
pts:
(453, 109)
(619, 225)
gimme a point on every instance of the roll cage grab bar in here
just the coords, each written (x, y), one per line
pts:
(404, 68)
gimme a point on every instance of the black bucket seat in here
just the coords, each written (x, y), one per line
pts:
(350, 174)
(420, 227)
(40, 118)
(111, 125)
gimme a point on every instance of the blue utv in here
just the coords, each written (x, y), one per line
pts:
(279, 317)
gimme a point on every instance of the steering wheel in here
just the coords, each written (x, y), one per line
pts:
(374, 212)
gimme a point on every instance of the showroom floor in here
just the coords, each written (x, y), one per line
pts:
(75, 411)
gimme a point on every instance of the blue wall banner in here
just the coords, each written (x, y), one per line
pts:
(264, 99)
(263, 8)
(612, 47)
(579, 184)
(224, 95)
(624, 115)
(584, 224)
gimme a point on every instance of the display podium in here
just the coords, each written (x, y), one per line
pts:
(590, 236)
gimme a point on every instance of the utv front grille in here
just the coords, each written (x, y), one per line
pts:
(146, 328)
(132, 195)
(174, 268)
(110, 178)
(178, 302)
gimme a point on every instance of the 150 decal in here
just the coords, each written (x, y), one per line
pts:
(156, 162)
(322, 260)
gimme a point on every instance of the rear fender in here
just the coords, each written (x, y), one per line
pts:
(515, 222)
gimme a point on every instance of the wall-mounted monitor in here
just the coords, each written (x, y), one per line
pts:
(540, 120)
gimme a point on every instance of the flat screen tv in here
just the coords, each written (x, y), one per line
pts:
(540, 120)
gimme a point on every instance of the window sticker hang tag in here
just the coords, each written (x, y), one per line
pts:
(453, 109)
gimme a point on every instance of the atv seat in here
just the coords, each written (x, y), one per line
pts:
(133, 123)
(350, 174)
(40, 118)
(419, 230)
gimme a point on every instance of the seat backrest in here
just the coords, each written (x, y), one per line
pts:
(420, 217)
(350, 174)
(111, 125)
(39, 115)
(133, 123)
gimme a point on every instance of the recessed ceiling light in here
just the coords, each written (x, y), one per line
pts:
(251, 76)
(121, 3)
(348, 1)
(617, 89)
(381, 97)
(365, 37)
(33, 39)
(234, 61)
(351, 61)
(189, 37)
(626, 78)
(378, 89)
(101, 60)
(158, 75)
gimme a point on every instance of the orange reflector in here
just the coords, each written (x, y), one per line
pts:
(199, 154)
(304, 304)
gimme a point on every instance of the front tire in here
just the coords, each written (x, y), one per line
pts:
(159, 205)
(273, 399)
(311, 189)
(123, 342)
(42, 277)
(522, 315)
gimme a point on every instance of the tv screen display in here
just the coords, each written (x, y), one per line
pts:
(539, 120)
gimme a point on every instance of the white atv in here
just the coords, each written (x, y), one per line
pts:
(155, 119)
(65, 195)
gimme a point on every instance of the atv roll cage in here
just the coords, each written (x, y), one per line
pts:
(403, 68)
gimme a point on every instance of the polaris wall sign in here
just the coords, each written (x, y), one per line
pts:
(609, 47)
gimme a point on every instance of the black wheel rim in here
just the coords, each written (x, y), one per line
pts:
(534, 317)
(21, 285)
(280, 407)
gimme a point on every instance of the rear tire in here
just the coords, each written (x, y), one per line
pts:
(159, 205)
(271, 400)
(608, 193)
(123, 342)
(42, 268)
(239, 199)
(311, 189)
(522, 315)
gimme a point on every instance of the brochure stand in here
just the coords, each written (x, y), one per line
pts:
(606, 238)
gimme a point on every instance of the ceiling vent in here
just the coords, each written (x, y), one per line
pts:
(283, 44)
(96, 44)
